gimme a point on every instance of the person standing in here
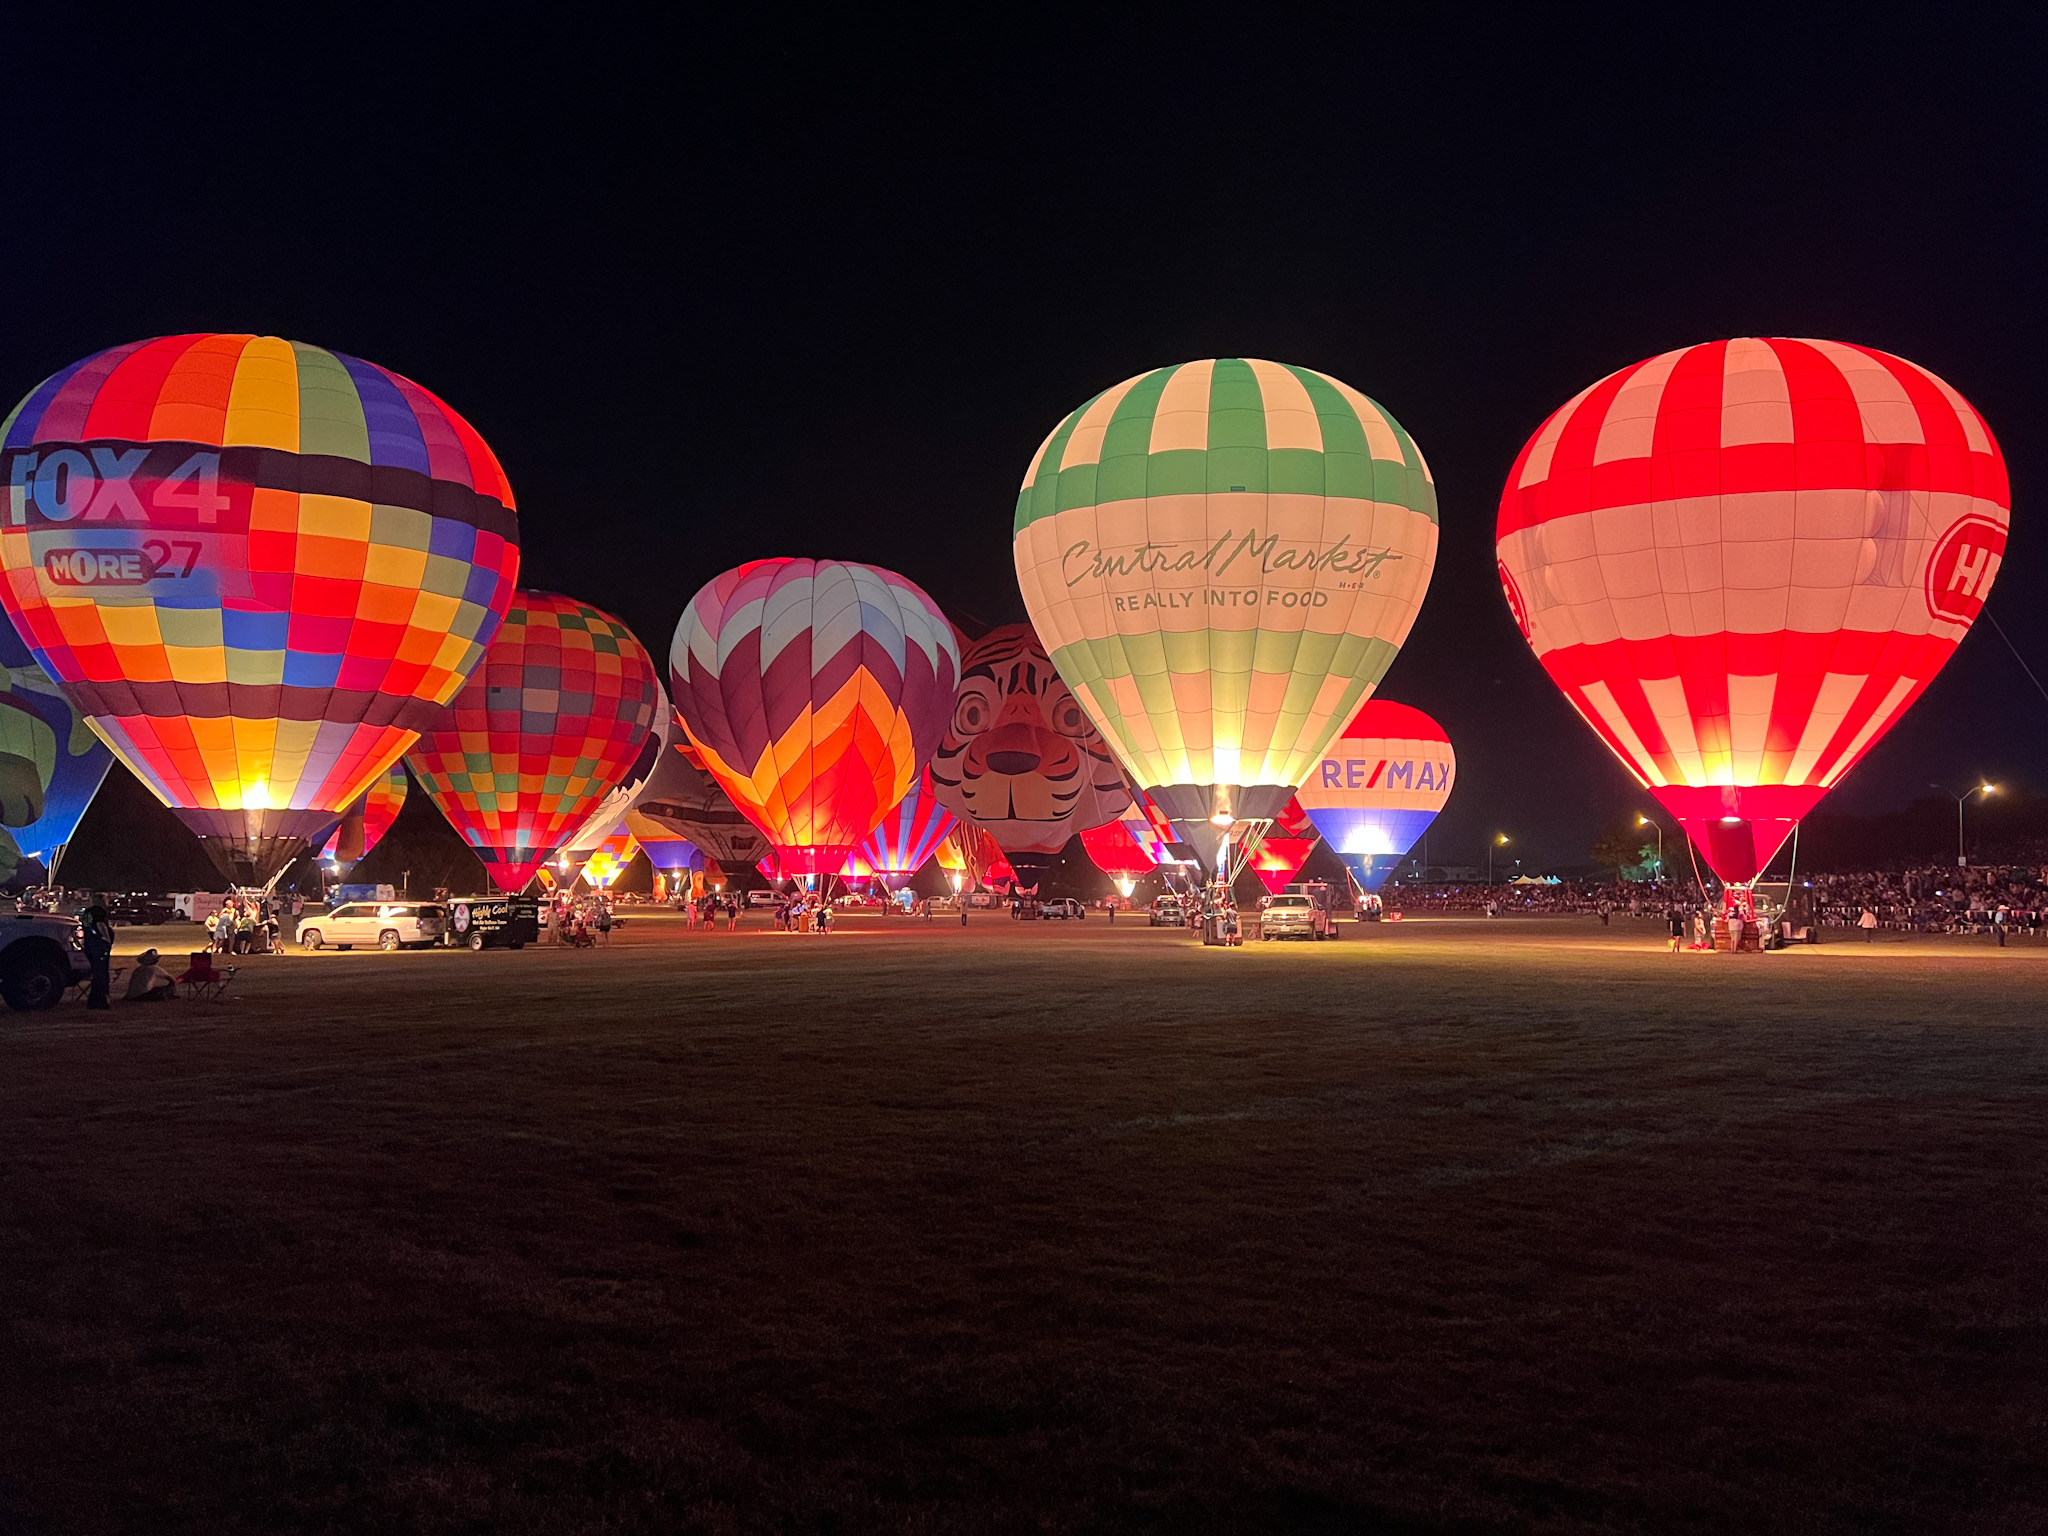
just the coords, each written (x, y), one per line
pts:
(1868, 923)
(1677, 929)
(98, 936)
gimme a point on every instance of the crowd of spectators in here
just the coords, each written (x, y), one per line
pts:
(1932, 899)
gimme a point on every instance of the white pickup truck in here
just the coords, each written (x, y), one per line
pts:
(41, 954)
(1291, 916)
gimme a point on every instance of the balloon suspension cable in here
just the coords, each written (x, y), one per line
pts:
(2016, 656)
(1698, 878)
(1792, 874)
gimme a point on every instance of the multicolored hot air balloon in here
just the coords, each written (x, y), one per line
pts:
(814, 691)
(907, 837)
(608, 816)
(71, 762)
(1379, 786)
(608, 860)
(969, 852)
(1284, 849)
(1118, 854)
(365, 823)
(1743, 561)
(544, 729)
(258, 567)
(1223, 558)
(1020, 757)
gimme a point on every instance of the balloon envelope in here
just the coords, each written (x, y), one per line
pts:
(1378, 786)
(908, 835)
(814, 692)
(1284, 849)
(1223, 557)
(683, 803)
(548, 725)
(366, 822)
(1020, 757)
(257, 566)
(1116, 852)
(1743, 561)
(71, 762)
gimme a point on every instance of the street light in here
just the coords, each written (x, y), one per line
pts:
(1644, 821)
(1962, 861)
(1500, 840)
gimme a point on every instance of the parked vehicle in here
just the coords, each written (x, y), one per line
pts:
(1166, 913)
(137, 908)
(41, 954)
(764, 898)
(493, 922)
(981, 898)
(1292, 915)
(386, 924)
(1064, 908)
(198, 906)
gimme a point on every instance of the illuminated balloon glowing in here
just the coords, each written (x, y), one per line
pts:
(1284, 849)
(814, 692)
(682, 804)
(1223, 558)
(366, 822)
(908, 835)
(1020, 757)
(1378, 786)
(257, 566)
(550, 723)
(1743, 561)
(70, 761)
(608, 860)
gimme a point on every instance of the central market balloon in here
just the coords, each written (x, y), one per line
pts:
(814, 691)
(258, 567)
(1223, 558)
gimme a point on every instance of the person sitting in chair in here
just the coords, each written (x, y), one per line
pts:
(149, 982)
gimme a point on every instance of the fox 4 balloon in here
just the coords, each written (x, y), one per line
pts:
(1223, 558)
(258, 567)
(1743, 561)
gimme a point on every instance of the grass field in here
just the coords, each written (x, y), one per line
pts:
(1449, 1226)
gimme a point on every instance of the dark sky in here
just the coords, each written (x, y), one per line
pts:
(714, 296)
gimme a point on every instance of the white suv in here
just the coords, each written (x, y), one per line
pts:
(386, 924)
(1062, 907)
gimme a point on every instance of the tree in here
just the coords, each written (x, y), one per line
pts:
(1620, 846)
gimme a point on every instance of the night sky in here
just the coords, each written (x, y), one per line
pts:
(717, 296)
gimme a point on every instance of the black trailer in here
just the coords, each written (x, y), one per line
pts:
(493, 922)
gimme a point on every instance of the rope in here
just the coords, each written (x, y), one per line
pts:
(2016, 656)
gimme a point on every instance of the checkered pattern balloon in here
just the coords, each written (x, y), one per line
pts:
(1743, 561)
(258, 567)
(548, 726)
(814, 691)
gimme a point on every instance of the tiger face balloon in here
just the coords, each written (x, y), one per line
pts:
(1021, 757)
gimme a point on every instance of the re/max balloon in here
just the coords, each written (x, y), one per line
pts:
(1743, 561)
(258, 567)
(1223, 558)
(1378, 786)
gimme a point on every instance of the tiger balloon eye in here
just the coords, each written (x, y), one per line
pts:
(1743, 561)
(258, 567)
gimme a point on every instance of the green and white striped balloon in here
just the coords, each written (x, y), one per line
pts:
(1223, 558)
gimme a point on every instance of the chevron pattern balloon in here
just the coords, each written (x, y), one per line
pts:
(814, 691)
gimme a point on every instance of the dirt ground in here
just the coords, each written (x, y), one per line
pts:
(1447, 1226)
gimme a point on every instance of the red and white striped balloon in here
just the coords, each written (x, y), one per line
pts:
(1743, 561)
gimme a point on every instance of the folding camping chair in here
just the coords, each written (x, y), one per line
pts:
(205, 980)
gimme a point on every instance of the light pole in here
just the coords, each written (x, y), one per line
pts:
(1962, 860)
(1644, 821)
(1500, 840)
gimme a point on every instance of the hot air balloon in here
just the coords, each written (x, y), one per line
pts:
(1223, 558)
(814, 692)
(683, 803)
(1020, 757)
(365, 823)
(1378, 787)
(1118, 854)
(1284, 848)
(1743, 561)
(908, 835)
(609, 859)
(71, 763)
(969, 852)
(544, 729)
(258, 567)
